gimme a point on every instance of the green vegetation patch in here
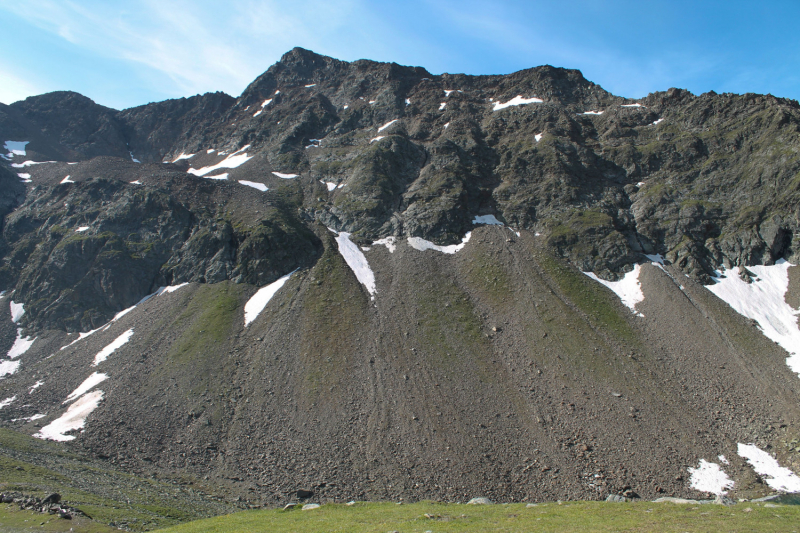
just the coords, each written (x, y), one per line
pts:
(551, 517)
(37, 468)
(589, 296)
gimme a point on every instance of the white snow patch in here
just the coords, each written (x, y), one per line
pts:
(17, 311)
(133, 158)
(709, 477)
(632, 105)
(21, 345)
(491, 220)
(357, 262)
(26, 178)
(442, 106)
(763, 301)
(89, 383)
(657, 122)
(538, 137)
(30, 418)
(160, 291)
(329, 184)
(723, 460)
(447, 93)
(218, 177)
(7, 401)
(15, 147)
(593, 113)
(260, 299)
(341, 185)
(103, 354)
(277, 92)
(628, 288)
(81, 229)
(655, 258)
(183, 155)
(371, 102)
(639, 184)
(35, 386)
(263, 105)
(421, 244)
(388, 242)
(260, 186)
(234, 160)
(376, 139)
(8, 367)
(73, 419)
(67, 180)
(779, 478)
(136, 182)
(312, 85)
(210, 151)
(30, 163)
(286, 176)
(408, 102)
(167, 290)
(517, 100)
(387, 125)
(447, 125)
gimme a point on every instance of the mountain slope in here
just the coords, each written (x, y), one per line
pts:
(436, 337)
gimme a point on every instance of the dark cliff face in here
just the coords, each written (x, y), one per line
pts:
(706, 181)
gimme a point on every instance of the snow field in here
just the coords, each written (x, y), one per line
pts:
(120, 341)
(763, 301)
(357, 262)
(74, 418)
(8, 367)
(7, 401)
(387, 125)
(30, 163)
(286, 176)
(629, 289)
(517, 100)
(260, 299)
(376, 139)
(778, 477)
(709, 477)
(21, 345)
(388, 242)
(183, 155)
(234, 160)
(421, 244)
(89, 383)
(260, 186)
(17, 311)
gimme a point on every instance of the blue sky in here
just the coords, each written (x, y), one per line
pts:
(123, 54)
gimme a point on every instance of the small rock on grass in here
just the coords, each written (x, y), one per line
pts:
(310, 506)
(479, 501)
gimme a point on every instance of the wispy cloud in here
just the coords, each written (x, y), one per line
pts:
(15, 87)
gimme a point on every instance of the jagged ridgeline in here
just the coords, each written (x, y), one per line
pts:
(368, 281)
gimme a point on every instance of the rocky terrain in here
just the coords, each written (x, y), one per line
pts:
(436, 338)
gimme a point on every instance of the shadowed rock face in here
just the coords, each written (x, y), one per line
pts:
(499, 370)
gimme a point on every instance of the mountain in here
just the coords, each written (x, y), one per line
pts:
(370, 281)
